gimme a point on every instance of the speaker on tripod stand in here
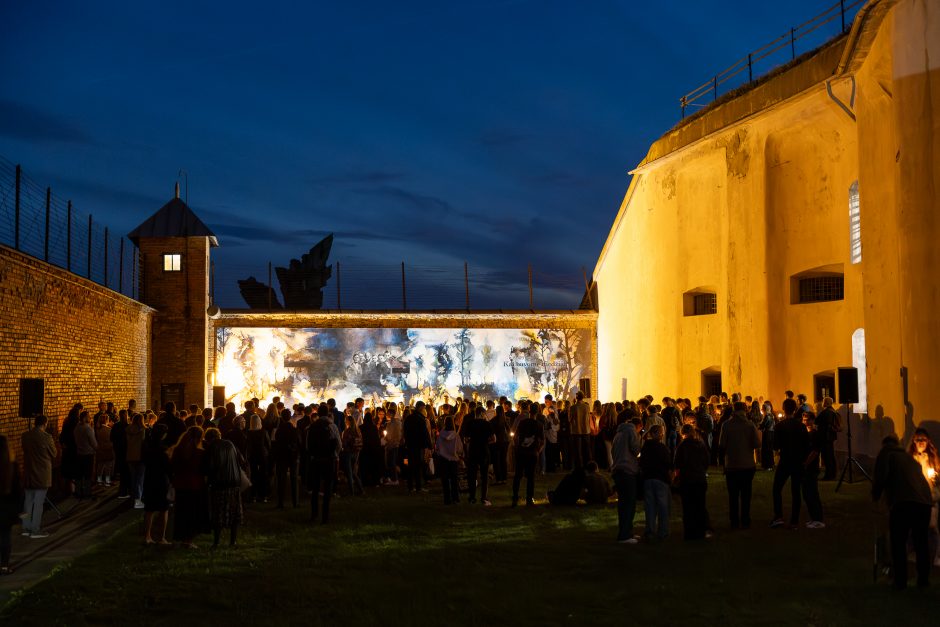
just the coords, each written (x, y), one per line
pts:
(848, 396)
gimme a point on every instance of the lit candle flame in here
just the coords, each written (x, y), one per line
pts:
(931, 473)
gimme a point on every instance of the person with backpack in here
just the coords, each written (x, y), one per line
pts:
(323, 445)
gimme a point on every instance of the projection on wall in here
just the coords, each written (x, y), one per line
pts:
(311, 365)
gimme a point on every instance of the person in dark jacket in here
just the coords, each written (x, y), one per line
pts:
(119, 445)
(323, 446)
(656, 466)
(259, 451)
(157, 474)
(691, 466)
(739, 439)
(479, 433)
(286, 449)
(69, 468)
(500, 448)
(86, 444)
(175, 427)
(191, 502)
(625, 467)
(767, 425)
(900, 478)
(792, 440)
(372, 457)
(569, 489)
(223, 470)
(11, 502)
(530, 438)
(826, 424)
(417, 443)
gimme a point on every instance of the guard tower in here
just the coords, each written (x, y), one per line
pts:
(174, 247)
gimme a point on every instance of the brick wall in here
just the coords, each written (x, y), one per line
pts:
(87, 342)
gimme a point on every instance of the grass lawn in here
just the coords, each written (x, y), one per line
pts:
(397, 559)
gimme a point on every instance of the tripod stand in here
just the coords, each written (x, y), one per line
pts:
(850, 460)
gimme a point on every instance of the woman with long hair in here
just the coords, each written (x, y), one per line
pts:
(223, 474)
(189, 518)
(134, 437)
(259, 452)
(86, 446)
(767, 424)
(11, 502)
(608, 429)
(156, 483)
(371, 460)
(923, 450)
(449, 449)
(67, 440)
(349, 456)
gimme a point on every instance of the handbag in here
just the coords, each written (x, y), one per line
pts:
(245, 481)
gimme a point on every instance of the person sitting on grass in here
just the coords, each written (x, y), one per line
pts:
(596, 489)
(569, 488)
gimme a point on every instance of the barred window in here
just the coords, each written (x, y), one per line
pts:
(705, 304)
(821, 289)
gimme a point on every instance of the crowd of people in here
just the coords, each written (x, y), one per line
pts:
(206, 464)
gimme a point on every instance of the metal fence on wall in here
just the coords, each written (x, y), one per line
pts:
(402, 286)
(811, 34)
(36, 221)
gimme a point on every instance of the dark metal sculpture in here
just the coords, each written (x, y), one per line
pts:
(301, 283)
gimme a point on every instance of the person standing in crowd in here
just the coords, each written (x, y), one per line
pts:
(100, 416)
(134, 442)
(175, 427)
(691, 464)
(323, 446)
(827, 424)
(478, 431)
(551, 426)
(417, 442)
(656, 466)
(259, 450)
(607, 429)
(673, 420)
(901, 480)
(792, 440)
(156, 486)
(579, 417)
(564, 435)
(190, 504)
(104, 456)
(739, 439)
(351, 439)
(85, 447)
(11, 502)
(500, 447)
(767, 424)
(529, 442)
(39, 452)
(69, 468)
(372, 457)
(286, 448)
(924, 452)
(811, 473)
(624, 449)
(223, 470)
(449, 450)
(238, 435)
(118, 437)
(393, 434)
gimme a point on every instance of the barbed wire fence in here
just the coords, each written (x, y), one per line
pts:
(38, 222)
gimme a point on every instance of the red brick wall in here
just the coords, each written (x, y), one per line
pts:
(87, 342)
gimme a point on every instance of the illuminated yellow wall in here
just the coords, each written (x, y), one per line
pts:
(755, 190)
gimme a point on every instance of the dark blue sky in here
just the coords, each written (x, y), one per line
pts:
(497, 133)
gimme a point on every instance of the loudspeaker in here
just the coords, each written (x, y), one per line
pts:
(32, 397)
(218, 396)
(848, 385)
(584, 385)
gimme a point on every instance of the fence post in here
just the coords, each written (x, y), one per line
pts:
(270, 287)
(683, 102)
(16, 206)
(46, 240)
(531, 306)
(89, 245)
(68, 238)
(750, 67)
(842, 8)
(404, 296)
(106, 256)
(715, 88)
(121, 266)
(792, 44)
(466, 282)
(339, 301)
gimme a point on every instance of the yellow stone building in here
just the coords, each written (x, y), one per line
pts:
(790, 229)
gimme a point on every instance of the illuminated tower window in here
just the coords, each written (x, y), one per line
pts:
(855, 225)
(172, 262)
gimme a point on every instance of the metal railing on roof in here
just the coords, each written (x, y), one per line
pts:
(772, 55)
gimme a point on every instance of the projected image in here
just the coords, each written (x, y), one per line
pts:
(311, 365)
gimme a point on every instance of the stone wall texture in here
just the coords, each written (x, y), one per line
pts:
(87, 342)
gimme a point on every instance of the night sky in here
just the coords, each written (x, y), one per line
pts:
(496, 133)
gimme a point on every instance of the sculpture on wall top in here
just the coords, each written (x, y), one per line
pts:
(301, 283)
